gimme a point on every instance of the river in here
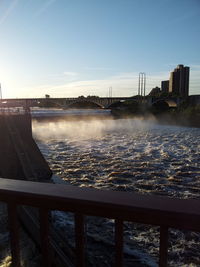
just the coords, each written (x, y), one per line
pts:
(130, 155)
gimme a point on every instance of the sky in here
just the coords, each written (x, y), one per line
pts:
(68, 48)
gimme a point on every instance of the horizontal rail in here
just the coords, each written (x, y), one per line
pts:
(156, 210)
(121, 206)
(13, 111)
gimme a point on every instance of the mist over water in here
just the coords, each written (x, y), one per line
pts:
(130, 155)
(87, 129)
(125, 154)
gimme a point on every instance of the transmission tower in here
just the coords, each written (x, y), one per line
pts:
(110, 91)
(142, 84)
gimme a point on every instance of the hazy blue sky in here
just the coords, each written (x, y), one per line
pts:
(79, 47)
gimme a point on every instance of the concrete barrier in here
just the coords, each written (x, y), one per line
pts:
(20, 155)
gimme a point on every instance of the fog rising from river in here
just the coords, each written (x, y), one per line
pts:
(79, 130)
(129, 155)
(132, 155)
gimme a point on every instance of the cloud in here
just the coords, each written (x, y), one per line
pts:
(8, 11)
(64, 77)
(186, 16)
(98, 68)
(44, 7)
(123, 84)
(70, 73)
(195, 67)
(195, 79)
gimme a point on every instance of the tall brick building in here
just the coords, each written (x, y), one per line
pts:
(179, 81)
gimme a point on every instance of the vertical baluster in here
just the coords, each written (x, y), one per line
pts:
(163, 246)
(118, 243)
(14, 234)
(80, 240)
(44, 238)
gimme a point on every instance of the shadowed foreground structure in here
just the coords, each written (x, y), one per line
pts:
(21, 157)
(120, 206)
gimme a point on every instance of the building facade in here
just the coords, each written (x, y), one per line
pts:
(179, 81)
(165, 86)
(155, 91)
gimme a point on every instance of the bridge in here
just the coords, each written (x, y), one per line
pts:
(99, 102)
(192, 100)
(90, 101)
(170, 101)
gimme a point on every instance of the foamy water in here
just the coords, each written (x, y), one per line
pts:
(129, 155)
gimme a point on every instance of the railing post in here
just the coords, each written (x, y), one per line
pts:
(80, 239)
(163, 246)
(118, 243)
(44, 238)
(14, 234)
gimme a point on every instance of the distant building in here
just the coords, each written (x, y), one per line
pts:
(155, 91)
(179, 81)
(165, 86)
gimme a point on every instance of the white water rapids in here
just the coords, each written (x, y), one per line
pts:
(130, 155)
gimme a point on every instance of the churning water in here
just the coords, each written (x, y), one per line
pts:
(130, 155)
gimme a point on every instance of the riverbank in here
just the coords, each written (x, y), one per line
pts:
(167, 118)
(180, 120)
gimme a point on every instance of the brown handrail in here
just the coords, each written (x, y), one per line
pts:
(121, 206)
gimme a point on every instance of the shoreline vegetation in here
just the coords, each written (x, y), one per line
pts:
(184, 115)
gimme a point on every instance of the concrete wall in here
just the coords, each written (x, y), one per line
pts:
(20, 157)
(194, 99)
(10, 166)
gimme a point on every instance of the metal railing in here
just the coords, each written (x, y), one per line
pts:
(14, 107)
(120, 206)
(12, 111)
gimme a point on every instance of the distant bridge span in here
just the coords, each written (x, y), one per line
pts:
(102, 102)
(170, 101)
